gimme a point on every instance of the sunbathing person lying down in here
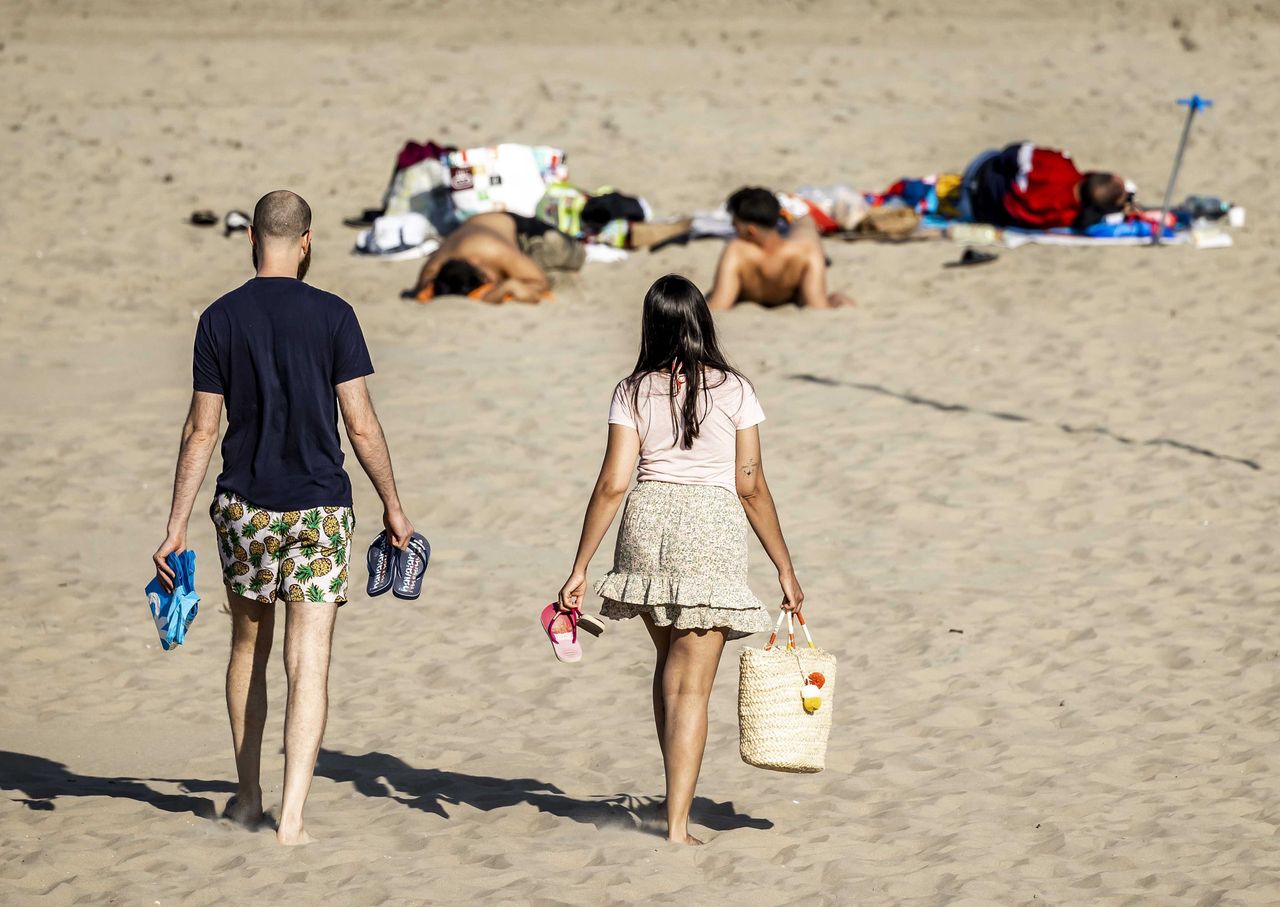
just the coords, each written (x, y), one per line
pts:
(1023, 185)
(498, 258)
(1027, 185)
(761, 265)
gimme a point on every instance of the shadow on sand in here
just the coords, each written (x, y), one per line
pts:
(1064, 427)
(430, 789)
(42, 781)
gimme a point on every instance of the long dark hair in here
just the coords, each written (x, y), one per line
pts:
(678, 339)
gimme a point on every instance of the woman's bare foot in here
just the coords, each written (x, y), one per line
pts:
(291, 836)
(687, 839)
(243, 811)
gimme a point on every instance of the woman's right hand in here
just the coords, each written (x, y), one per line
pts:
(792, 594)
(573, 591)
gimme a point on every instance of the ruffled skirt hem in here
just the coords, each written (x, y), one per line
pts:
(672, 601)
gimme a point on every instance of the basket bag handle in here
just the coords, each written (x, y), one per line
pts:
(791, 631)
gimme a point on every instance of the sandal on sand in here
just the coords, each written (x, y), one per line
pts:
(411, 565)
(381, 560)
(235, 220)
(972, 257)
(366, 218)
(562, 629)
(590, 623)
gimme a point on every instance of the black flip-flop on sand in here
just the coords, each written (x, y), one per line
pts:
(366, 218)
(972, 257)
(411, 566)
(382, 565)
(203, 218)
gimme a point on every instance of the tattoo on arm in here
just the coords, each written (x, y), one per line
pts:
(749, 468)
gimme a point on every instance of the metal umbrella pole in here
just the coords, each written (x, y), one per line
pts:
(1194, 105)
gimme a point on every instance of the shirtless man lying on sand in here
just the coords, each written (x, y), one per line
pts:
(760, 265)
(498, 258)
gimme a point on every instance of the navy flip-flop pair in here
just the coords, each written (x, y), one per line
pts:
(399, 571)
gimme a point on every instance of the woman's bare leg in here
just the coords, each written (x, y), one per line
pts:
(692, 659)
(661, 637)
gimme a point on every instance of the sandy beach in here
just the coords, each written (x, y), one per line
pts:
(1032, 504)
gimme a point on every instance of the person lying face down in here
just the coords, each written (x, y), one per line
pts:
(761, 265)
(1026, 185)
(498, 257)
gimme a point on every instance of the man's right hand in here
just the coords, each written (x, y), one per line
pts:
(174, 543)
(398, 528)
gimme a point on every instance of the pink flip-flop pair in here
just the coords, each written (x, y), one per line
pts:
(561, 628)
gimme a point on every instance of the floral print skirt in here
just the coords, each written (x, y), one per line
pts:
(681, 558)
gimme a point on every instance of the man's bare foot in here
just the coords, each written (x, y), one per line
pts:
(244, 812)
(293, 837)
(839, 299)
(688, 839)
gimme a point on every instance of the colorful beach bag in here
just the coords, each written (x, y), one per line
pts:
(785, 701)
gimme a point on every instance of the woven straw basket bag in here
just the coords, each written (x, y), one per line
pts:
(780, 729)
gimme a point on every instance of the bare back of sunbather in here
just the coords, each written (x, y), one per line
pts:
(488, 242)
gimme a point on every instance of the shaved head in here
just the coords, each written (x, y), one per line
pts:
(281, 215)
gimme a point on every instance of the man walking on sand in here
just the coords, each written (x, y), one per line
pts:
(279, 352)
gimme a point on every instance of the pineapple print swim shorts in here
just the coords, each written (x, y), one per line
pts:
(296, 556)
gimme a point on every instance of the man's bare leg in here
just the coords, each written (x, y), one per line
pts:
(690, 670)
(308, 639)
(806, 231)
(252, 627)
(813, 284)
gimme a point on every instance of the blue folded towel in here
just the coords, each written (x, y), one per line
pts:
(174, 611)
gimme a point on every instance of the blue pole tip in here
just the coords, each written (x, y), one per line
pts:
(1195, 102)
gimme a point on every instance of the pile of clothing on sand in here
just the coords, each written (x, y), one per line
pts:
(434, 189)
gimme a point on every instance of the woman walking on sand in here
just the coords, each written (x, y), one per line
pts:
(681, 558)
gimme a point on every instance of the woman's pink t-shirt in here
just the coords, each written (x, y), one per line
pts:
(731, 407)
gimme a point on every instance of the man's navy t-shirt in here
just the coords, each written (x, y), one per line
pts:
(274, 349)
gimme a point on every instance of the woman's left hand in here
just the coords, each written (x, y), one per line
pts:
(792, 594)
(573, 591)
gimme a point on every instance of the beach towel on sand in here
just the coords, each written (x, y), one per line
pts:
(507, 177)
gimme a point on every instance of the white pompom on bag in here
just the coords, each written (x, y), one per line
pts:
(775, 730)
